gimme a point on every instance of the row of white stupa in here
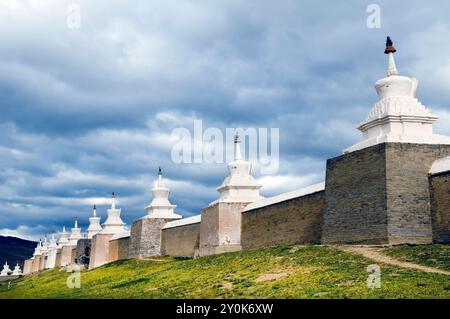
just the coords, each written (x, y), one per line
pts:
(239, 186)
(6, 271)
(397, 117)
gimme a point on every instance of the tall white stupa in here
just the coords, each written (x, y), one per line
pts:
(75, 234)
(239, 186)
(160, 207)
(237, 191)
(44, 246)
(113, 224)
(51, 253)
(64, 237)
(6, 271)
(17, 271)
(397, 116)
(94, 224)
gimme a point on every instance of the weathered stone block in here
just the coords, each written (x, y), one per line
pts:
(220, 228)
(99, 250)
(440, 207)
(145, 237)
(66, 255)
(118, 248)
(380, 194)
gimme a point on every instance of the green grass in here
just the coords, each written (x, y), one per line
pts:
(310, 272)
(437, 256)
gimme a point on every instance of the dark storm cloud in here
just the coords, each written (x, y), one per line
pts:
(88, 111)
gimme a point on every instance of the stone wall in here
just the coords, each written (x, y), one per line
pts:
(440, 206)
(294, 221)
(408, 194)
(380, 194)
(99, 250)
(180, 241)
(58, 258)
(220, 229)
(118, 248)
(36, 263)
(27, 266)
(66, 255)
(355, 197)
(145, 237)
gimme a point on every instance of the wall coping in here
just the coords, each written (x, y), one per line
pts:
(182, 222)
(286, 196)
(440, 166)
(120, 235)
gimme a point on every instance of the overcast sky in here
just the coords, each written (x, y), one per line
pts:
(90, 110)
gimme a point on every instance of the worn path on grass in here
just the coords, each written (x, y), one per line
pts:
(375, 254)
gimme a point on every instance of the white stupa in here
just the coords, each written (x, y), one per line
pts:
(239, 186)
(75, 234)
(6, 271)
(51, 253)
(94, 224)
(17, 271)
(160, 207)
(397, 116)
(64, 237)
(44, 246)
(113, 223)
(37, 250)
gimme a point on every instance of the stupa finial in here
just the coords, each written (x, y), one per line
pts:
(389, 46)
(237, 147)
(113, 203)
(94, 211)
(390, 50)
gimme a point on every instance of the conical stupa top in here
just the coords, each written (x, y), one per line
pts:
(64, 237)
(94, 224)
(239, 186)
(160, 206)
(113, 223)
(398, 116)
(75, 233)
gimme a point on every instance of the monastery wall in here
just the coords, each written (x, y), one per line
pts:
(292, 221)
(440, 206)
(408, 192)
(181, 241)
(118, 248)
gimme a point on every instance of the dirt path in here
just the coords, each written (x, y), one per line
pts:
(375, 254)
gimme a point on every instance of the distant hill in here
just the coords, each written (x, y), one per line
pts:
(15, 250)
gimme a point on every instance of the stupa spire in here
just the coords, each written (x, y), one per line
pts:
(113, 201)
(390, 50)
(397, 116)
(94, 224)
(237, 148)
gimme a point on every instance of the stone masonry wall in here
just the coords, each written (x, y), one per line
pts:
(294, 221)
(145, 237)
(220, 229)
(180, 241)
(355, 198)
(380, 194)
(440, 207)
(118, 249)
(408, 194)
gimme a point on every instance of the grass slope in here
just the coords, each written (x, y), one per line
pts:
(280, 272)
(437, 256)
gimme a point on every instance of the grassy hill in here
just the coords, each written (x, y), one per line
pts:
(280, 272)
(15, 250)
